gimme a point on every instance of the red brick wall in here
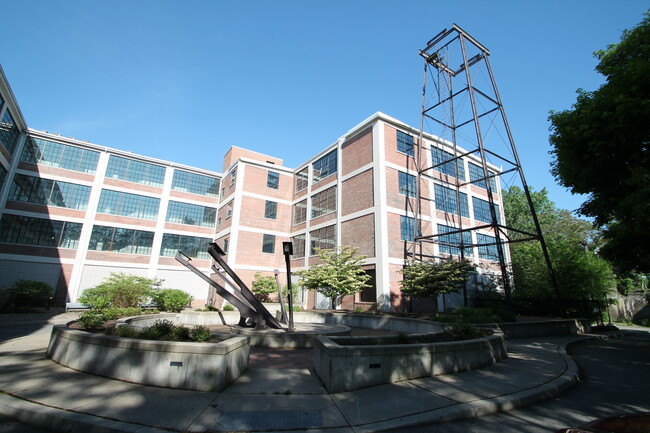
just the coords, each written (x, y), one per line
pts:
(360, 233)
(357, 151)
(357, 193)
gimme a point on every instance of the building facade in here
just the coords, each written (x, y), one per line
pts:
(72, 212)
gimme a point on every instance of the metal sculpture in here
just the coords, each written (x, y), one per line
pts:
(252, 312)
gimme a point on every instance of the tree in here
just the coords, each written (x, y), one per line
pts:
(572, 245)
(120, 290)
(601, 148)
(264, 286)
(428, 280)
(338, 274)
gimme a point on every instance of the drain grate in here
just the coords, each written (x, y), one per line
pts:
(282, 419)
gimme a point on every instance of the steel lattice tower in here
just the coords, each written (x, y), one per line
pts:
(462, 110)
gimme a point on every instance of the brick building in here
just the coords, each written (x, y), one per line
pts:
(71, 212)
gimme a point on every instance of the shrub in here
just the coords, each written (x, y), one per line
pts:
(119, 290)
(463, 331)
(178, 333)
(173, 300)
(228, 307)
(91, 320)
(113, 313)
(200, 333)
(30, 293)
(127, 332)
(264, 287)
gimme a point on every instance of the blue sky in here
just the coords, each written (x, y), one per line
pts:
(184, 80)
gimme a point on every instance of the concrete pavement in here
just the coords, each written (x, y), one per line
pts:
(40, 392)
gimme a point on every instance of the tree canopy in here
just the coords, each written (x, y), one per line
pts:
(338, 274)
(601, 148)
(572, 245)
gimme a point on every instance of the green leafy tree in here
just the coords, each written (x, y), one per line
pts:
(571, 242)
(121, 291)
(338, 274)
(30, 293)
(173, 300)
(264, 286)
(600, 148)
(428, 280)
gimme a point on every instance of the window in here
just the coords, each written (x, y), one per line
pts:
(218, 223)
(324, 239)
(302, 179)
(476, 173)
(454, 239)
(406, 184)
(298, 246)
(3, 176)
(271, 210)
(233, 177)
(405, 143)
(192, 246)
(120, 240)
(482, 210)
(439, 156)
(195, 183)
(37, 190)
(225, 245)
(135, 171)
(268, 244)
(407, 228)
(128, 205)
(229, 211)
(59, 155)
(324, 167)
(43, 232)
(9, 133)
(300, 212)
(273, 180)
(487, 251)
(323, 203)
(446, 201)
(191, 214)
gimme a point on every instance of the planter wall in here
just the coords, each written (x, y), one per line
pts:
(346, 368)
(196, 366)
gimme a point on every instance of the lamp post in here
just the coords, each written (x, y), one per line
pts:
(287, 249)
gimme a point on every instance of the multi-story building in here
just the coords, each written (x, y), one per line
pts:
(72, 212)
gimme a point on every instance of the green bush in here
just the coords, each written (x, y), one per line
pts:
(113, 313)
(264, 287)
(200, 333)
(179, 333)
(30, 293)
(91, 320)
(127, 332)
(462, 331)
(228, 307)
(173, 300)
(120, 291)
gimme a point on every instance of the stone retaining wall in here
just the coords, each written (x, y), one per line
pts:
(548, 328)
(196, 366)
(346, 368)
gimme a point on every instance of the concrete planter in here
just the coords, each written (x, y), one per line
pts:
(346, 368)
(195, 366)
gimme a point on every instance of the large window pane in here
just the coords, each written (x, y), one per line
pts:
(324, 239)
(407, 228)
(476, 172)
(446, 200)
(442, 161)
(482, 210)
(120, 240)
(487, 251)
(37, 190)
(195, 183)
(273, 180)
(9, 133)
(135, 171)
(191, 214)
(405, 143)
(323, 203)
(44, 152)
(298, 246)
(268, 244)
(406, 184)
(43, 232)
(270, 210)
(452, 242)
(302, 179)
(324, 167)
(300, 212)
(129, 205)
(192, 246)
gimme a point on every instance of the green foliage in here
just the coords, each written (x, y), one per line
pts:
(91, 320)
(571, 243)
(158, 330)
(30, 293)
(200, 333)
(119, 290)
(173, 300)
(264, 286)
(338, 274)
(428, 280)
(112, 313)
(127, 332)
(483, 315)
(600, 148)
(228, 307)
(462, 331)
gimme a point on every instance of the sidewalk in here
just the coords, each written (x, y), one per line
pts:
(40, 392)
